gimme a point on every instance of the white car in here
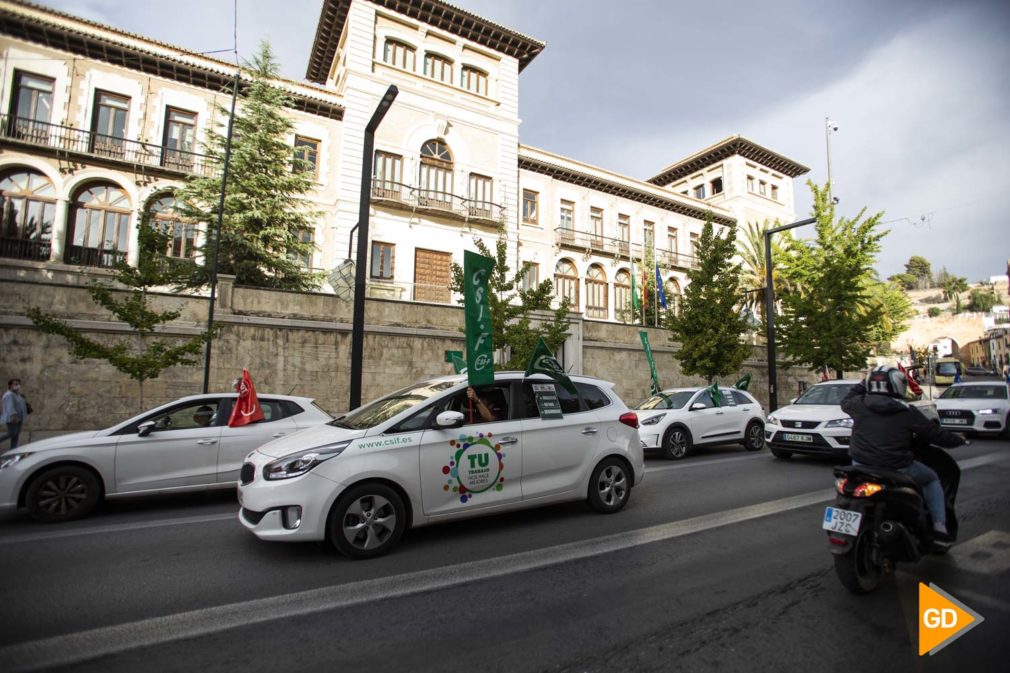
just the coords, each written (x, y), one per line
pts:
(679, 419)
(975, 407)
(185, 445)
(814, 423)
(426, 454)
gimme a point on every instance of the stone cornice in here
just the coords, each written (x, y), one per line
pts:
(727, 148)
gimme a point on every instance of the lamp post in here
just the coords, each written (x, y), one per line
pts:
(829, 128)
(364, 204)
(773, 394)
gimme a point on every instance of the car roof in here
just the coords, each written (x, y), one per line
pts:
(207, 396)
(511, 375)
(694, 389)
(964, 384)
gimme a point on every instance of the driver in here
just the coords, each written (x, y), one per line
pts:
(203, 416)
(883, 426)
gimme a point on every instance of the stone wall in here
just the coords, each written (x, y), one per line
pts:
(297, 343)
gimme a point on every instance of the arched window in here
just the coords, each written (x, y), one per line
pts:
(596, 292)
(100, 226)
(566, 283)
(438, 67)
(181, 234)
(400, 54)
(473, 79)
(436, 175)
(622, 295)
(673, 295)
(27, 204)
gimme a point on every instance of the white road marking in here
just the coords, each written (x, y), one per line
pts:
(115, 528)
(106, 641)
(987, 554)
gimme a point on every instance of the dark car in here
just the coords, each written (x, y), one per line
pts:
(976, 370)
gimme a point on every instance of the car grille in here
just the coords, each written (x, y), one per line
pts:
(248, 473)
(804, 425)
(252, 517)
(958, 413)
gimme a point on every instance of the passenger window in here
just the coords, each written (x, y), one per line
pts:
(741, 398)
(593, 396)
(496, 403)
(727, 398)
(703, 398)
(195, 415)
(570, 404)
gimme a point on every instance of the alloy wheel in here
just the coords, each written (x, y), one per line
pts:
(755, 437)
(369, 522)
(62, 495)
(677, 444)
(612, 485)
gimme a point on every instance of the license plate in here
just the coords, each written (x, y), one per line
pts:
(841, 521)
(793, 437)
(956, 421)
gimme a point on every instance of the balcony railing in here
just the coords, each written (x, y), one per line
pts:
(81, 142)
(437, 201)
(584, 240)
(100, 257)
(25, 248)
(676, 259)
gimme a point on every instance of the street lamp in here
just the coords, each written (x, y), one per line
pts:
(364, 204)
(829, 128)
(773, 393)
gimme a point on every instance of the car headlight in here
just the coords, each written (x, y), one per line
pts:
(300, 463)
(986, 412)
(773, 419)
(652, 420)
(839, 423)
(11, 459)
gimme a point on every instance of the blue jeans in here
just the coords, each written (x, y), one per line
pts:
(13, 431)
(932, 490)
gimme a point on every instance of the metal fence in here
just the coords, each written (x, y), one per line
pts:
(437, 201)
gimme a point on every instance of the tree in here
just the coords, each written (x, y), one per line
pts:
(920, 268)
(751, 248)
(981, 301)
(142, 356)
(890, 309)
(824, 322)
(512, 329)
(710, 323)
(266, 219)
(905, 280)
(952, 287)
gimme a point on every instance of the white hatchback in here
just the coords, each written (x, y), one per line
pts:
(428, 453)
(679, 419)
(975, 407)
(185, 445)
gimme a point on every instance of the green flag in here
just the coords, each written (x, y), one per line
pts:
(715, 394)
(479, 349)
(456, 358)
(743, 382)
(544, 362)
(652, 363)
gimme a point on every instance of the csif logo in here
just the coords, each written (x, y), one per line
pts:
(942, 619)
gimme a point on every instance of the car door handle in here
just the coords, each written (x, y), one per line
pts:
(719, 413)
(505, 441)
(279, 434)
(589, 431)
(206, 442)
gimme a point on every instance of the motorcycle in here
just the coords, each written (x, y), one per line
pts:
(880, 518)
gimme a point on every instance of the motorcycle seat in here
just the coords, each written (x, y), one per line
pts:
(888, 476)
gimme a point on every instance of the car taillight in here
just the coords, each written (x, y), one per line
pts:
(630, 419)
(867, 489)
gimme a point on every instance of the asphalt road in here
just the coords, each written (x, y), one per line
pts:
(717, 563)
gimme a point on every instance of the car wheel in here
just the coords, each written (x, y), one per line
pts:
(610, 486)
(754, 436)
(784, 455)
(676, 442)
(367, 521)
(62, 494)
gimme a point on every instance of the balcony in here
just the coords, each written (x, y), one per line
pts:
(97, 257)
(442, 203)
(85, 144)
(676, 260)
(25, 248)
(603, 245)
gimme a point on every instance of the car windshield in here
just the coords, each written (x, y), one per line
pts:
(975, 393)
(824, 394)
(948, 368)
(674, 400)
(384, 408)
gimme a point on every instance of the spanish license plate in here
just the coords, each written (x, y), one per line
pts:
(841, 521)
(793, 437)
(956, 421)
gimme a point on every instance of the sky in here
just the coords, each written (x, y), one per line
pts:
(918, 88)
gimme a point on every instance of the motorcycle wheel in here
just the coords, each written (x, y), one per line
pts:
(855, 568)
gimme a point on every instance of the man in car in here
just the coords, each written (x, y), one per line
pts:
(883, 427)
(203, 416)
(483, 408)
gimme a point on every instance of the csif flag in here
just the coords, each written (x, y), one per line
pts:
(544, 362)
(247, 407)
(477, 314)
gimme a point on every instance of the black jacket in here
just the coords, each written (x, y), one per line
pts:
(883, 428)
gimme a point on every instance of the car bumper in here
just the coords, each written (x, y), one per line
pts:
(651, 440)
(986, 423)
(263, 504)
(832, 442)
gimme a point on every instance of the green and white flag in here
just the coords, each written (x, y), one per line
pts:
(544, 362)
(715, 393)
(458, 363)
(743, 382)
(479, 349)
(654, 388)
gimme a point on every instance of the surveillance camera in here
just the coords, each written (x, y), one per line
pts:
(835, 200)
(834, 127)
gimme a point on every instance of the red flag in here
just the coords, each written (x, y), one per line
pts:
(912, 385)
(824, 374)
(247, 407)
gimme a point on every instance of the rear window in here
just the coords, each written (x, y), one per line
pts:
(741, 398)
(593, 396)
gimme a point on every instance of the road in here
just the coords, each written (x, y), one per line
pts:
(717, 563)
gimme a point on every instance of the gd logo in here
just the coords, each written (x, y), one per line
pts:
(942, 619)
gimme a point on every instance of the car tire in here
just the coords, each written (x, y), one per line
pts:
(368, 520)
(677, 442)
(1005, 434)
(63, 493)
(754, 436)
(610, 486)
(782, 455)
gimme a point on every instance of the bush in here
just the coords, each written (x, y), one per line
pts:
(934, 311)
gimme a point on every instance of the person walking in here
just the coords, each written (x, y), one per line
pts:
(14, 410)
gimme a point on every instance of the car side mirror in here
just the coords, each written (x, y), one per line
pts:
(145, 428)
(698, 405)
(449, 419)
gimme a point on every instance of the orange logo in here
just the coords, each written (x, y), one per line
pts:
(942, 619)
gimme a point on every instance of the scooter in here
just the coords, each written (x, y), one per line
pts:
(880, 518)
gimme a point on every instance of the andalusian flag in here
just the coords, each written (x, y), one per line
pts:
(715, 394)
(634, 293)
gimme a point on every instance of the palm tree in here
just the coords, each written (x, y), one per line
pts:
(751, 249)
(953, 286)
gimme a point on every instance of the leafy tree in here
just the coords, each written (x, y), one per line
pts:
(981, 301)
(934, 311)
(890, 309)
(142, 356)
(825, 322)
(265, 213)
(905, 280)
(952, 287)
(919, 267)
(709, 324)
(512, 329)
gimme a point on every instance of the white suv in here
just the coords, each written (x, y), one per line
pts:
(679, 419)
(428, 453)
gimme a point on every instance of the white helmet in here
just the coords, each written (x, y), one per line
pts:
(886, 380)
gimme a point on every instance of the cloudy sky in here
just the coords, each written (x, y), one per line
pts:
(918, 89)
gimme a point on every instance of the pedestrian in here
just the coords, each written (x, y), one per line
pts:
(14, 411)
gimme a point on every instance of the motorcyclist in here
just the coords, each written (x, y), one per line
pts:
(883, 428)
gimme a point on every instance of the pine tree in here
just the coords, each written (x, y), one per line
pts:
(265, 213)
(513, 332)
(142, 356)
(709, 324)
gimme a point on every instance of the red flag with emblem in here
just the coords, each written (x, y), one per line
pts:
(247, 407)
